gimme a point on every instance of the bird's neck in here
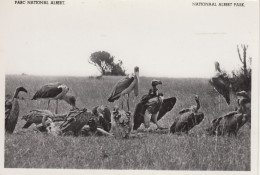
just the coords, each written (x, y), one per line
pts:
(198, 104)
(15, 94)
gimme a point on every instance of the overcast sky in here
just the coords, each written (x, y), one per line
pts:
(164, 38)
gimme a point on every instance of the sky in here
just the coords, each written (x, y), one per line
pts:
(164, 38)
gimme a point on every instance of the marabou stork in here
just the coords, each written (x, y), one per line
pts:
(188, 118)
(125, 86)
(12, 110)
(221, 83)
(55, 91)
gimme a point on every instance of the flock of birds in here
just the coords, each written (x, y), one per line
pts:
(151, 108)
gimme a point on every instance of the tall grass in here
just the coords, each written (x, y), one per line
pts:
(195, 151)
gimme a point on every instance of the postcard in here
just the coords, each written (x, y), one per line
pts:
(127, 86)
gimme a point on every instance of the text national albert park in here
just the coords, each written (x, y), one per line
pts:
(218, 4)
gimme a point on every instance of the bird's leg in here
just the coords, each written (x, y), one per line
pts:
(128, 102)
(56, 110)
(122, 103)
(218, 102)
(48, 104)
(221, 102)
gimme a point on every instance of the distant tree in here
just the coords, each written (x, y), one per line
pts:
(241, 79)
(105, 63)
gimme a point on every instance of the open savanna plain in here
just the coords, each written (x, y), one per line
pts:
(156, 151)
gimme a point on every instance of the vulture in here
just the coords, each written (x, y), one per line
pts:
(35, 117)
(228, 124)
(152, 105)
(104, 117)
(75, 122)
(188, 118)
(55, 91)
(221, 83)
(12, 110)
(125, 86)
(121, 123)
(244, 102)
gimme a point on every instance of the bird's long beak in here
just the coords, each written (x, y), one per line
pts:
(137, 76)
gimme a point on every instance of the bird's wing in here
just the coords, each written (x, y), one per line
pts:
(47, 91)
(139, 115)
(27, 125)
(120, 87)
(222, 86)
(166, 106)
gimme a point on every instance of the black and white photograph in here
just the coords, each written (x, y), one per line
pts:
(97, 86)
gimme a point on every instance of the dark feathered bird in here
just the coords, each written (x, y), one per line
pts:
(147, 110)
(35, 117)
(166, 106)
(55, 91)
(188, 118)
(228, 124)
(244, 104)
(121, 123)
(12, 110)
(152, 105)
(125, 86)
(104, 117)
(221, 83)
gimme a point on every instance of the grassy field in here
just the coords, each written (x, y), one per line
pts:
(160, 151)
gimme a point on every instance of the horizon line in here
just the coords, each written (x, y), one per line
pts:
(14, 74)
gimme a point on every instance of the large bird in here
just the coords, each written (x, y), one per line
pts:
(228, 124)
(244, 103)
(139, 114)
(125, 86)
(152, 105)
(55, 91)
(12, 110)
(188, 118)
(221, 83)
(104, 117)
(35, 117)
(121, 123)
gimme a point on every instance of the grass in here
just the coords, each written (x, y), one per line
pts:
(157, 151)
